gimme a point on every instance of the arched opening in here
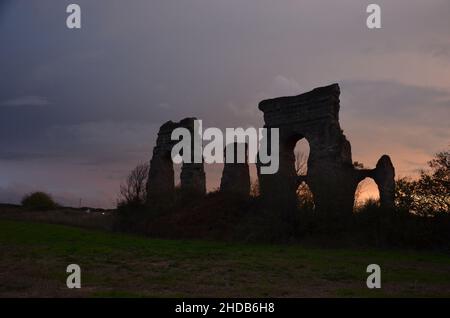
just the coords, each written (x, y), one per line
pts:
(301, 153)
(304, 194)
(177, 175)
(366, 193)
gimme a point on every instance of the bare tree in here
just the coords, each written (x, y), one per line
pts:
(360, 191)
(134, 189)
(301, 163)
(301, 168)
(254, 189)
(430, 193)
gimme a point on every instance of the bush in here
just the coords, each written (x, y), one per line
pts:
(40, 201)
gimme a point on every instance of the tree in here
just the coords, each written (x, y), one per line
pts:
(304, 194)
(430, 194)
(301, 163)
(134, 190)
(39, 201)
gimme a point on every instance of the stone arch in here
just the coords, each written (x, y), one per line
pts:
(314, 116)
(384, 177)
(301, 153)
(279, 190)
(161, 183)
(287, 174)
(364, 190)
(288, 160)
(331, 175)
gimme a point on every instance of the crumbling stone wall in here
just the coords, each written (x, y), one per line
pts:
(235, 176)
(384, 177)
(160, 184)
(331, 175)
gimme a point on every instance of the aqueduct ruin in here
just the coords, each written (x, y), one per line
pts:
(160, 184)
(331, 175)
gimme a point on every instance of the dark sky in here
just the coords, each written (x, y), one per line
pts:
(78, 109)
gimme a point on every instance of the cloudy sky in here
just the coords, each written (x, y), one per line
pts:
(79, 108)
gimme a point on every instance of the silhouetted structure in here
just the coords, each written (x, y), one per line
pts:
(161, 184)
(384, 177)
(331, 175)
(235, 176)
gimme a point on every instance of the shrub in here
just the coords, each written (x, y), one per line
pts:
(40, 201)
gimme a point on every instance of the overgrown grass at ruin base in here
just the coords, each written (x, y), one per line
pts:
(35, 256)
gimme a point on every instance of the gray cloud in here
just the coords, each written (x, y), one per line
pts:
(408, 122)
(26, 101)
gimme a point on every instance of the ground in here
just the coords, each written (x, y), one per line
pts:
(34, 257)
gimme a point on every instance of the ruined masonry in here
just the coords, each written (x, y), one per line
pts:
(235, 176)
(160, 184)
(331, 176)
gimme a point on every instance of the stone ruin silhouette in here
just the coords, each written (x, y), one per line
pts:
(160, 183)
(331, 177)
(236, 176)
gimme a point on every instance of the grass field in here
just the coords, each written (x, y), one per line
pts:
(34, 257)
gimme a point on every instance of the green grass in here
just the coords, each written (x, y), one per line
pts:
(34, 257)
